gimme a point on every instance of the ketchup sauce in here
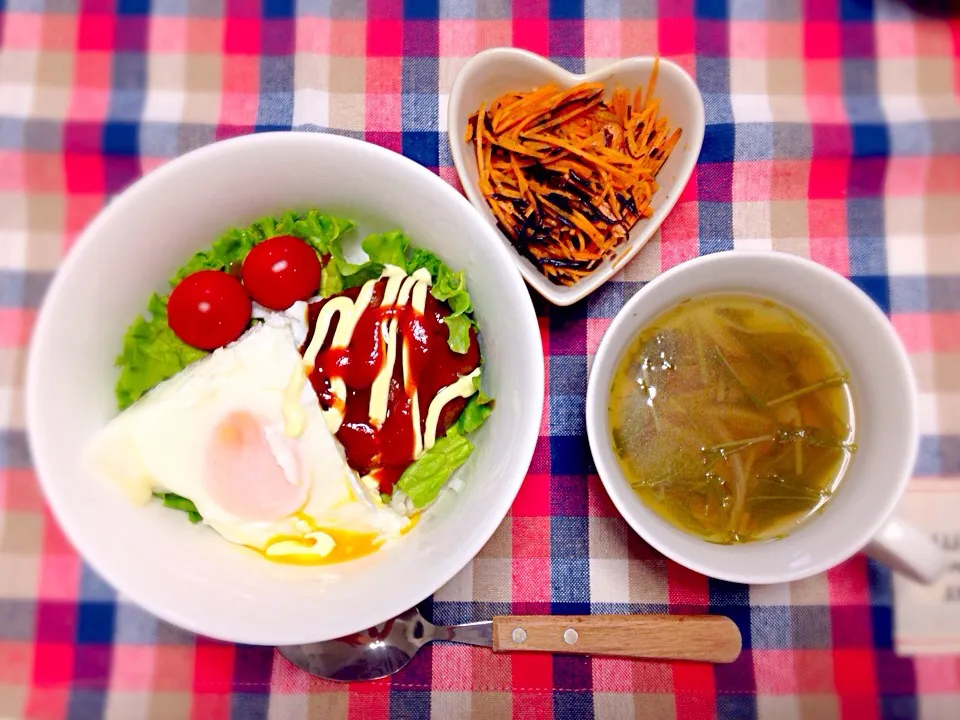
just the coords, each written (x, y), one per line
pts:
(388, 450)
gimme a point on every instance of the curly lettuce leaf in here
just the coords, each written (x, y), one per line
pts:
(178, 502)
(340, 274)
(476, 412)
(424, 259)
(351, 274)
(448, 286)
(382, 249)
(459, 329)
(393, 248)
(331, 279)
(370, 271)
(151, 354)
(452, 287)
(389, 248)
(344, 266)
(231, 248)
(426, 476)
(423, 479)
(321, 231)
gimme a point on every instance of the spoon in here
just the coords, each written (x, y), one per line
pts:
(386, 648)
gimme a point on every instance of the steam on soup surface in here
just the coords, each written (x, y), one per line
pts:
(732, 418)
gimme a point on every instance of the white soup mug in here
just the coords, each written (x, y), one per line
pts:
(861, 515)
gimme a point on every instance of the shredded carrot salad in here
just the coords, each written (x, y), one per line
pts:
(567, 173)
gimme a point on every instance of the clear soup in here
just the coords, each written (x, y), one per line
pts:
(732, 418)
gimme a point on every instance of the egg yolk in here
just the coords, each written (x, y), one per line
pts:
(242, 475)
(348, 545)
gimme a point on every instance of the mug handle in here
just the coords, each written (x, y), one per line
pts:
(907, 550)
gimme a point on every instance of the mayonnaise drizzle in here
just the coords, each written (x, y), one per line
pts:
(419, 303)
(400, 290)
(398, 296)
(322, 546)
(462, 388)
(414, 404)
(294, 416)
(350, 312)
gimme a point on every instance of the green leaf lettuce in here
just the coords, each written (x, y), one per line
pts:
(426, 476)
(178, 502)
(389, 248)
(151, 354)
(476, 412)
(448, 286)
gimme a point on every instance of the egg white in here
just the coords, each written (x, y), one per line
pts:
(159, 444)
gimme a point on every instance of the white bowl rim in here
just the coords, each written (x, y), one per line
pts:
(75, 533)
(838, 554)
(568, 295)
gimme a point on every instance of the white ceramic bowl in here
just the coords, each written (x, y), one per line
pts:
(860, 515)
(494, 72)
(187, 574)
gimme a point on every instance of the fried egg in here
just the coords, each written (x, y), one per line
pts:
(216, 433)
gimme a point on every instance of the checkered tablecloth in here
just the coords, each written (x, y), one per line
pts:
(833, 131)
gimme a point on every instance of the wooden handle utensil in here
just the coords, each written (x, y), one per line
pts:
(707, 638)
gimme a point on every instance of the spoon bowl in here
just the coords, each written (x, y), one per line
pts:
(381, 650)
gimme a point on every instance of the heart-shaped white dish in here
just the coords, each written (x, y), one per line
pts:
(494, 72)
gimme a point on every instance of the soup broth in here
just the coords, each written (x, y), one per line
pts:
(732, 418)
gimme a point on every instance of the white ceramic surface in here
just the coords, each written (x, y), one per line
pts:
(494, 72)
(860, 515)
(187, 574)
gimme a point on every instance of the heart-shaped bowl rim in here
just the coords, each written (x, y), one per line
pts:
(541, 70)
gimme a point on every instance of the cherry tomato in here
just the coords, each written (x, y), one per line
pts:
(281, 270)
(209, 309)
